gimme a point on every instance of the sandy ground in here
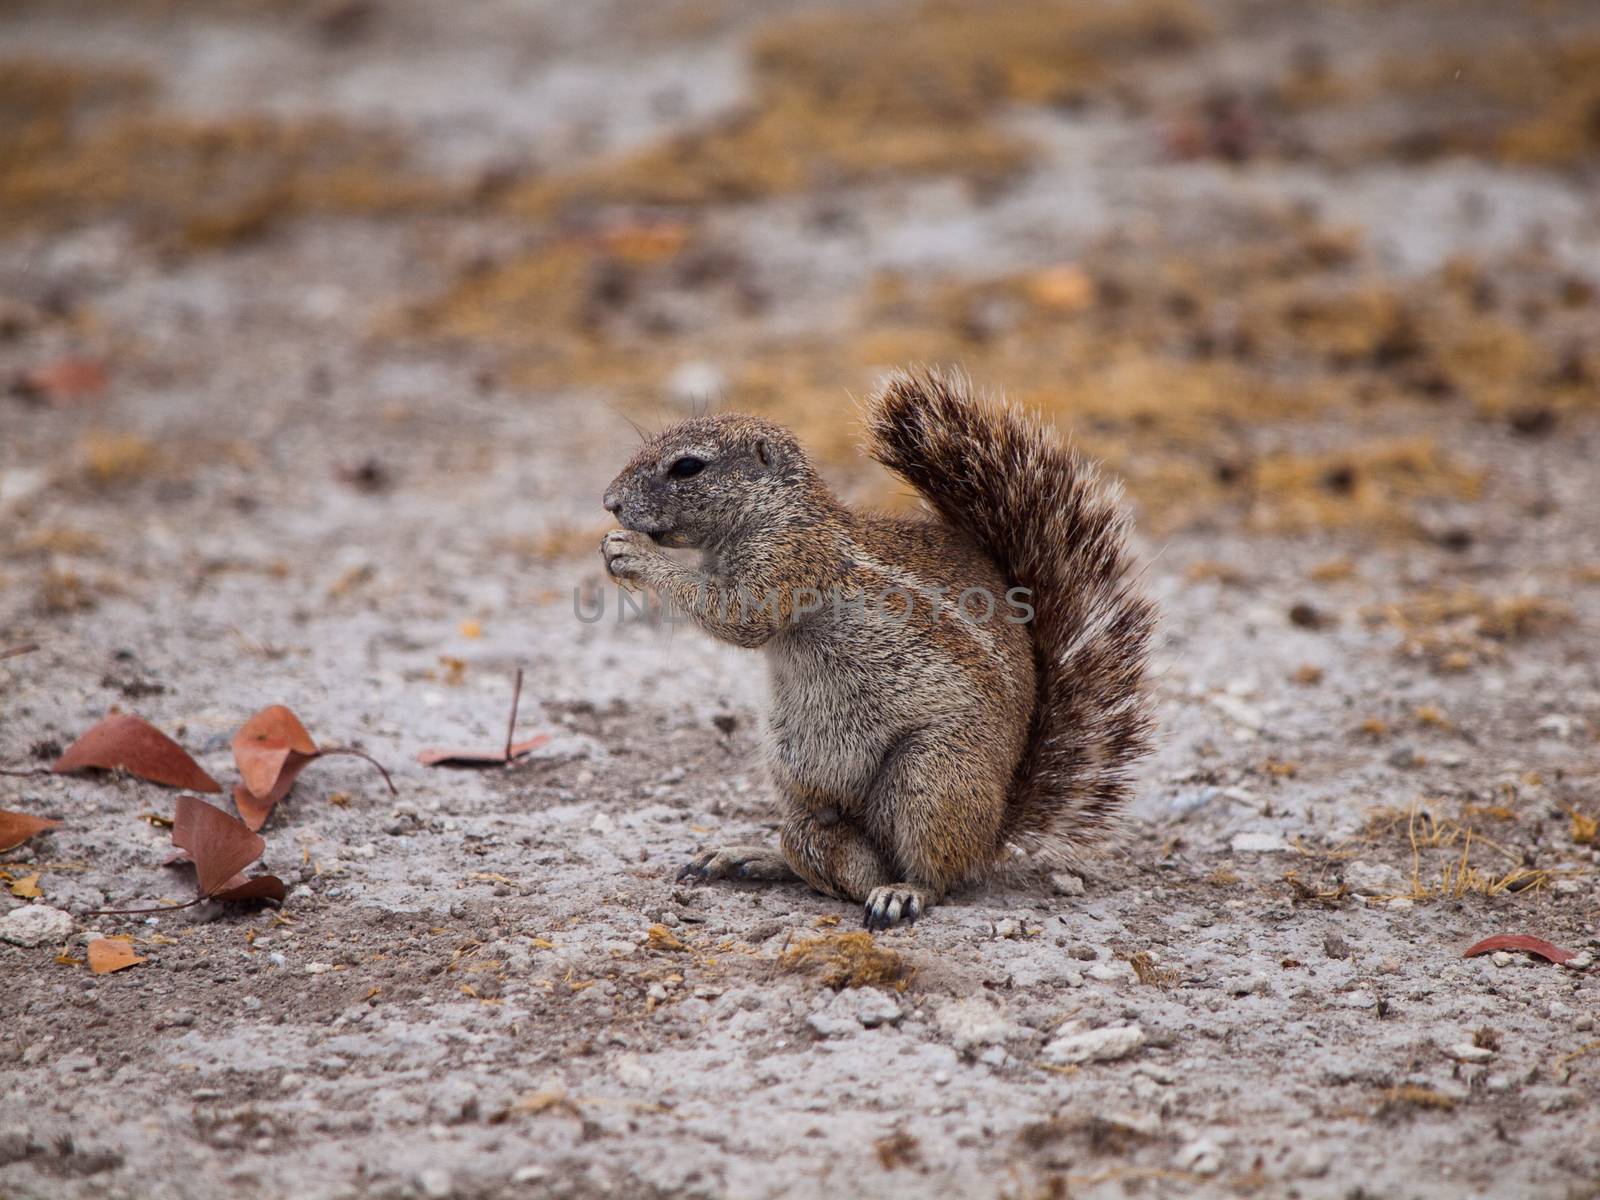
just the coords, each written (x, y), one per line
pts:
(490, 985)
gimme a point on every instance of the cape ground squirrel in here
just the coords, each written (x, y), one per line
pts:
(941, 687)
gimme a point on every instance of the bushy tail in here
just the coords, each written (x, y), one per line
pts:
(1051, 524)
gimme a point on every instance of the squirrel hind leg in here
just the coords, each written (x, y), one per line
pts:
(755, 863)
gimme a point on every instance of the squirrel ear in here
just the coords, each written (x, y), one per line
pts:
(764, 452)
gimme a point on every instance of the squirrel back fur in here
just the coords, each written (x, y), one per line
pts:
(1052, 525)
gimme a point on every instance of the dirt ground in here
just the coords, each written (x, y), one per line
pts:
(322, 326)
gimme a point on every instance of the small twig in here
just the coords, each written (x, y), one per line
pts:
(22, 771)
(13, 651)
(511, 725)
(139, 912)
(354, 753)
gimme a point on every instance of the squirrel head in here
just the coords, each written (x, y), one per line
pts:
(706, 480)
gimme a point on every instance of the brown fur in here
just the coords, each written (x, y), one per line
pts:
(909, 749)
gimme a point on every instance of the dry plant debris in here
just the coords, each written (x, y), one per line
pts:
(107, 955)
(1516, 941)
(483, 756)
(271, 749)
(129, 743)
(842, 960)
(16, 828)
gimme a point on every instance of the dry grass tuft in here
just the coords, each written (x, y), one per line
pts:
(63, 592)
(1585, 829)
(1413, 1096)
(1144, 967)
(841, 960)
(1524, 101)
(1442, 851)
(1454, 631)
(116, 458)
(853, 95)
(1370, 487)
(87, 142)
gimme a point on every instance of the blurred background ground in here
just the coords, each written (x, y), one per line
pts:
(322, 326)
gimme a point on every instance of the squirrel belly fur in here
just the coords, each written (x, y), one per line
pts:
(941, 688)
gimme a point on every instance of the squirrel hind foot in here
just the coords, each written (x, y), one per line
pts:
(890, 903)
(756, 863)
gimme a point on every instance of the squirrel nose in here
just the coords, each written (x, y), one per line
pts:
(613, 503)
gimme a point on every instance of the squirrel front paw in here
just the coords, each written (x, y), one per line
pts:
(628, 554)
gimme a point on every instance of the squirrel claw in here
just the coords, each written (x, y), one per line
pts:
(888, 905)
(736, 862)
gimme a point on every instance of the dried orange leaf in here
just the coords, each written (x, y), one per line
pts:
(484, 756)
(220, 845)
(266, 743)
(272, 748)
(111, 954)
(262, 887)
(139, 748)
(478, 756)
(66, 380)
(27, 887)
(16, 828)
(1519, 941)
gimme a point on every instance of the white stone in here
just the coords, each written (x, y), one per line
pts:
(1259, 843)
(1375, 879)
(1065, 883)
(1199, 1157)
(633, 1072)
(970, 1023)
(1096, 1045)
(1008, 928)
(1468, 1053)
(1502, 959)
(435, 1183)
(35, 925)
(603, 823)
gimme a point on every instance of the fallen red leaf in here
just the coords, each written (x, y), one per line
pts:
(266, 743)
(16, 828)
(1520, 941)
(66, 381)
(272, 748)
(111, 954)
(220, 847)
(478, 756)
(262, 887)
(486, 756)
(219, 844)
(139, 748)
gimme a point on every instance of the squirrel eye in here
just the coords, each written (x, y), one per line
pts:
(686, 466)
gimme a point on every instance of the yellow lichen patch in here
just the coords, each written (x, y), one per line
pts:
(1531, 100)
(1411, 1095)
(1371, 487)
(58, 539)
(1585, 828)
(113, 458)
(89, 143)
(841, 960)
(852, 95)
(1456, 630)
